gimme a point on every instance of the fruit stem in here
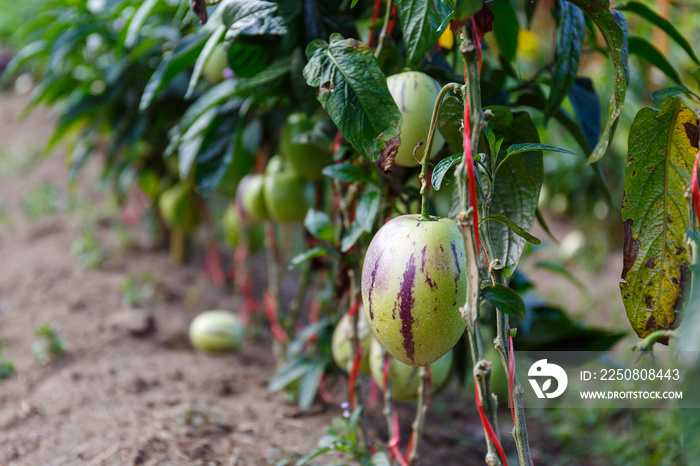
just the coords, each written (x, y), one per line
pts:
(424, 190)
(424, 390)
(178, 245)
(385, 28)
(297, 300)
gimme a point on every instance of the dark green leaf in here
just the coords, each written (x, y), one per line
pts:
(673, 91)
(251, 18)
(586, 106)
(442, 168)
(530, 7)
(613, 26)
(319, 225)
(353, 90)
(645, 50)
(505, 299)
(465, 8)
(570, 35)
(543, 224)
(422, 23)
(662, 148)
(306, 256)
(650, 15)
(346, 172)
(450, 122)
(506, 28)
(514, 227)
(516, 187)
(185, 53)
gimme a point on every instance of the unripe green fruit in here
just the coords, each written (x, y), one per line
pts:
(287, 195)
(231, 224)
(252, 198)
(307, 159)
(216, 64)
(404, 378)
(217, 332)
(413, 285)
(415, 94)
(177, 206)
(341, 343)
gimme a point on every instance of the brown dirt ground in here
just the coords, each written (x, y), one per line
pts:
(120, 399)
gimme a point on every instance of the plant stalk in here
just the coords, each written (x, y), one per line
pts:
(421, 412)
(428, 146)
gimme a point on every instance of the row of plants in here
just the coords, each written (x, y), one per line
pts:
(389, 154)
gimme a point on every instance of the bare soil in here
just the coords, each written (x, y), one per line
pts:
(131, 390)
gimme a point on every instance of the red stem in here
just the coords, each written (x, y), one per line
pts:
(395, 439)
(353, 375)
(275, 327)
(469, 162)
(323, 390)
(487, 426)
(372, 32)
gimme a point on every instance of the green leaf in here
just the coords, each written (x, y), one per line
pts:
(306, 256)
(516, 187)
(367, 209)
(346, 172)
(441, 170)
(586, 106)
(450, 122)
(514, 227)
(137, 22)
(506, 28)
(23, 56)
(465, 8)
(673, 91)
(422, 23)
(643, 49)
(293, 370)
(516, 149)
(505, 299)
(662, 148)
(319, 225)
(202, 59)
(651, 16)
(308, 386)
(353, 90)
(559, 269)
(252, 18)
(570, 35)
(185, 53)
(613, 26)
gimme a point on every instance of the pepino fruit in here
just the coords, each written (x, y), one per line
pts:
(415, 94)
(305, 154)
(404, 378)
(177, 206)
(341, 343)
(413, 284)
(217, 332)
(250, 199)
(287, 195)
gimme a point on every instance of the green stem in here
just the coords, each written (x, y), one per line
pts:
(385, 27)
(503, 347)
(178, 245)
(297, 300)
(428, 146)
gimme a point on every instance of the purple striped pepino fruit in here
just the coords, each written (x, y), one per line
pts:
(413, 284)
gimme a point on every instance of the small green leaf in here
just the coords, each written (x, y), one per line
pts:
(353, 90)
(319, 225)
(137, 22)
(442, 168)
(306, 256)
(673, 91)
(346, 172)
(450, 122)
(505, 299)
(642, 48)
(559, 269)
(27, 53)
(516, 149)
(513, 226)
(651, 16)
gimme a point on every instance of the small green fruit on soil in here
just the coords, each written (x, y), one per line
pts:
(217, 332)
(405, 379)
(341, 343)
(177, 206)
(287, 195)
(251, 195)
(415, 94)
(413, 285)
(306, 158)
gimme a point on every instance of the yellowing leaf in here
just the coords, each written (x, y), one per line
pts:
(662, 148)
